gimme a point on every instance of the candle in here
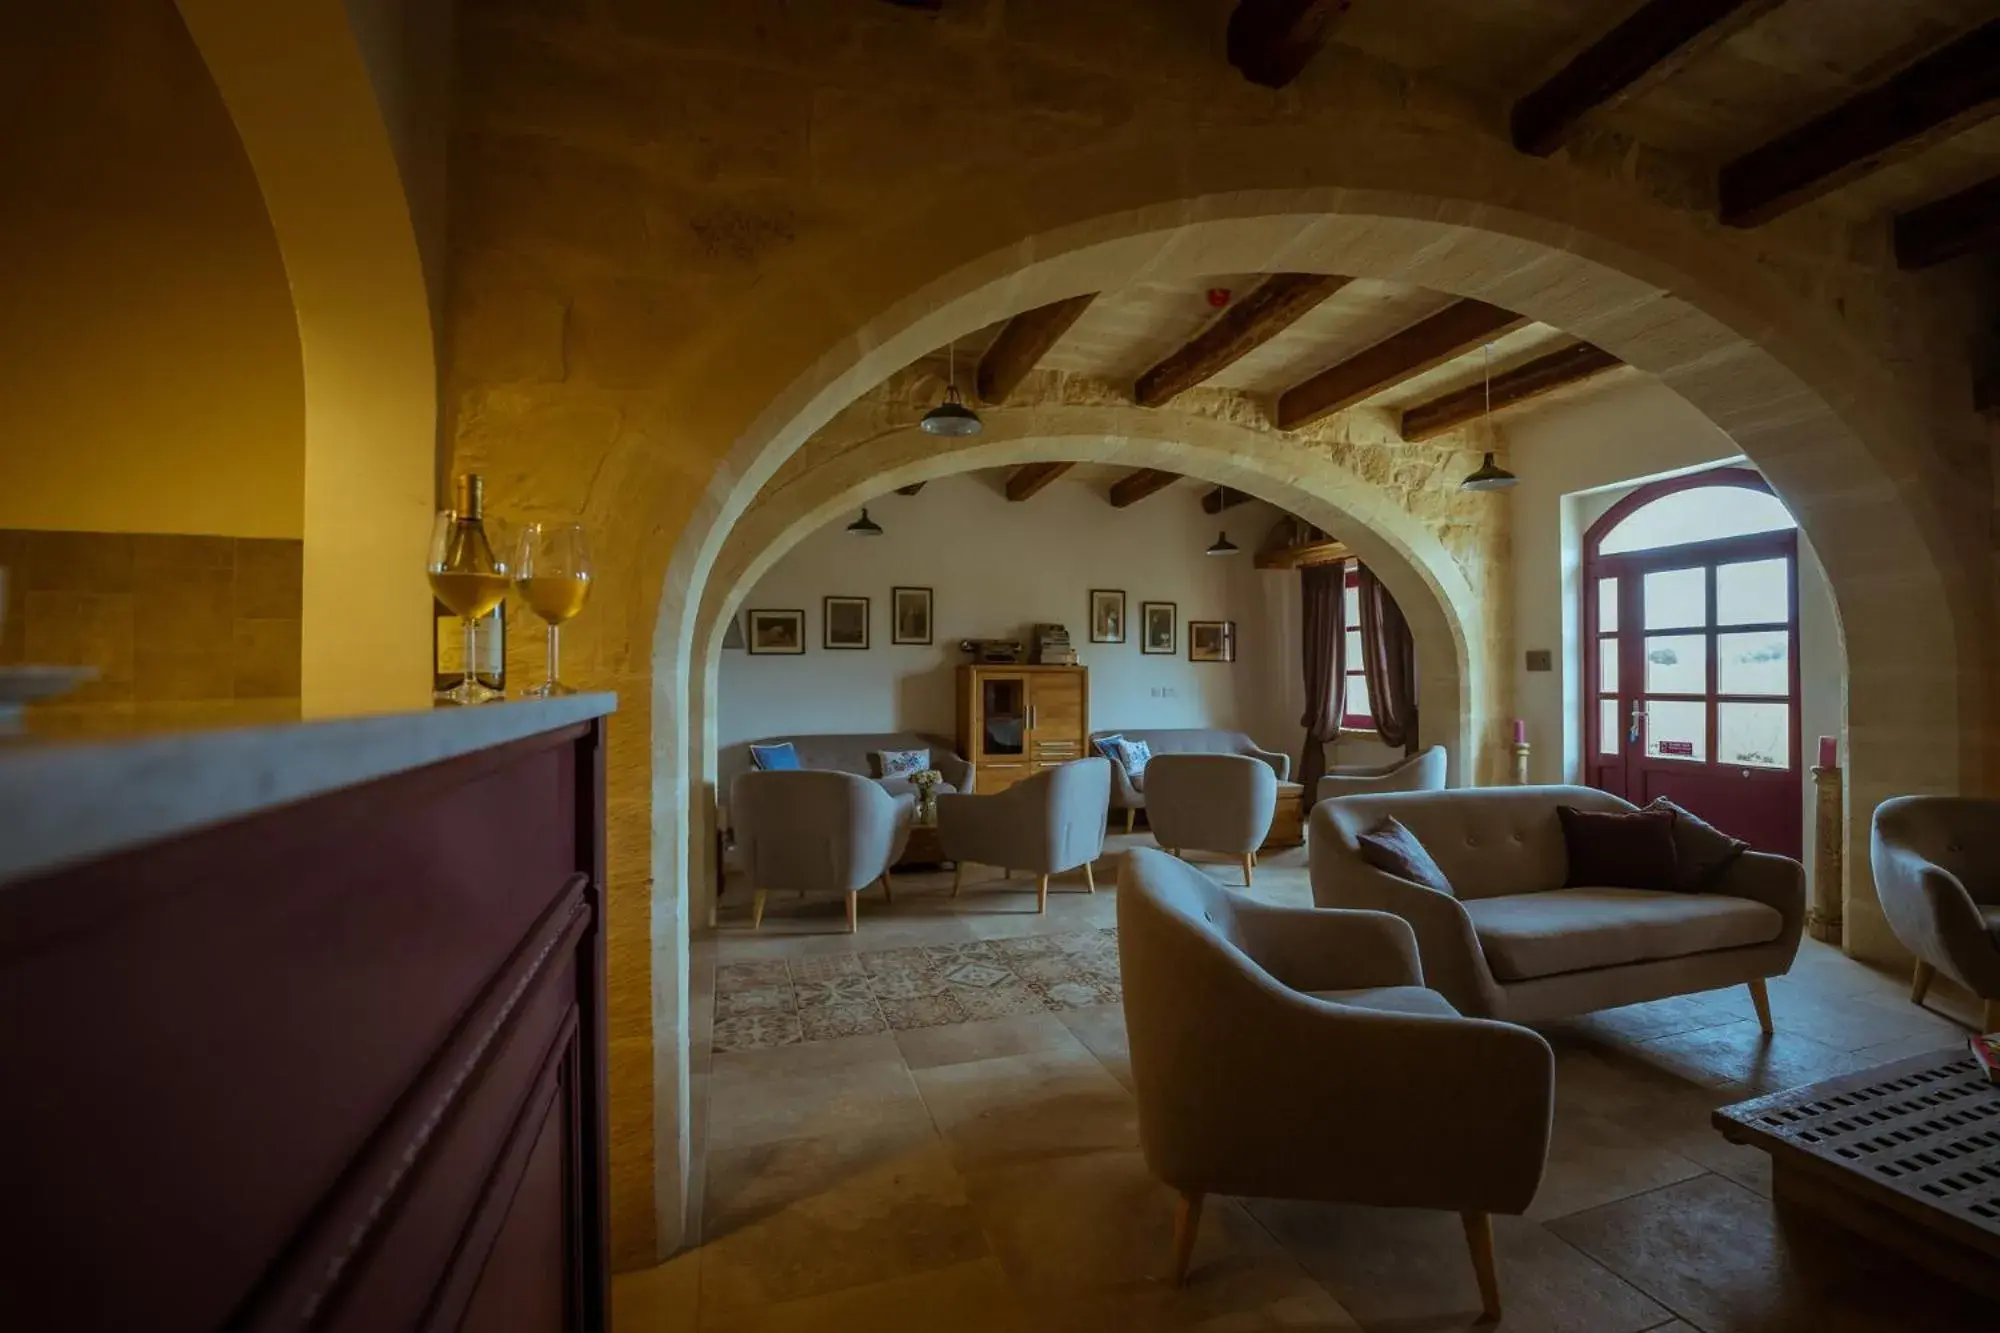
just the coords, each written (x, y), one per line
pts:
(1829, 752)
(1520, 732)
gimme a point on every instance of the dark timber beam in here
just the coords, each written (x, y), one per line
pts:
(1136, 486)
(910, 489)
(1025, 340)
(1656, 42)
(1965, 222)
(1221, 498)
(1308, 553)
(1953, 87)
(1565, 365)
(1453, 331)
(1274, 306)
(1029, 478)
(1272, 41)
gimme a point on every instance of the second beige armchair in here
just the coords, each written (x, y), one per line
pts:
(817, 832)
(1044, 825)
(1212, 803)
(1418, 772)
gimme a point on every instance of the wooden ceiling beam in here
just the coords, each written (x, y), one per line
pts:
(1136, 486)
(1029, 478)
(1272, 41)
(1953, 87)
(1656, 42)
(1308, 553)
(1272, 307)
(1951, 227)
(1453, 331)
(910, 489)
(1024, 341)
(1564, 366)
(1221, 498)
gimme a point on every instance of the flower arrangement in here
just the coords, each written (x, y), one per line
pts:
(926, 784)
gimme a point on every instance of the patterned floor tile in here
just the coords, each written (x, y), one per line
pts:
(751, 975)
(1024, 946)
(762, 1000)
(908, 984)
(1049, 969)
(826, 1022)
(881, 961)
(840, 990)
(1002, 1001)
(978, 974)
(756, 1032)
(827, 967)
(926, 1011)
(943, 956)
(1078, 994)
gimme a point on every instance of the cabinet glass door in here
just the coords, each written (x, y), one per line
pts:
(1003, 708)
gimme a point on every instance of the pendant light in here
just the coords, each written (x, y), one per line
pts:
(1490, 476)
(950, 417)
(865, 526)
(1223, 546)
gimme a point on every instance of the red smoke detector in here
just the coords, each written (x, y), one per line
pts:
(1218, 297)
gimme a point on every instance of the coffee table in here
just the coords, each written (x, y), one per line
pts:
(1906, 1154)
(923, 848)
(1288, 818)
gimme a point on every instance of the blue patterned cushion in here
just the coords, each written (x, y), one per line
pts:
(1108, 745)
(1134, 755)
(780, 758)
(899, 763)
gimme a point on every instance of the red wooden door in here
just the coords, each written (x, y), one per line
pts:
(1692, 680)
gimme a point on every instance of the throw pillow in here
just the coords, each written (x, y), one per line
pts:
(1391, 847)
(780, 758)
(1615, 850)
(1108, 745)
(1134, 755)
(1704, 851)
(898, 763)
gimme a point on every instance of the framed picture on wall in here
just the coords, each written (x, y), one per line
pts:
(1107, 615)
(1156, 627)
(909, 615)
(1211, 641)
(777, 631)
(844, 623)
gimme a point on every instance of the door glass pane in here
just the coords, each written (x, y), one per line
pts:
(1677, 664)
(1607, 666)
(1677, 729)
(1357, 697)
(1607, 606)
(1756, 592)
(1676, 598)
(1754, 663)
(1353, 649)
(1758, 735)
(1607, 726)
(1701, 514)
(1004, 703)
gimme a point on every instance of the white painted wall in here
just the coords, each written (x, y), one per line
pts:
(999, 567)
(1575, 460)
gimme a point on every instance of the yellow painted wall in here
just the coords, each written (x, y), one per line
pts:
(150, 376)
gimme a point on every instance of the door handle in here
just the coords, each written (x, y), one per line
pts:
(1638, 721)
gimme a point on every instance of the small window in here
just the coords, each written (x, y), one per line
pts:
(1699, 514)
(1358, 713)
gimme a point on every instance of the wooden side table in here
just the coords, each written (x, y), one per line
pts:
(1288, 823)
(923, 848)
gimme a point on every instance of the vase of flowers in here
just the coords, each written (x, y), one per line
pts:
(926, 784)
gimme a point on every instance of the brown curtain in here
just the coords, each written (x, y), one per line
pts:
(1389, 662)
(1325, 662)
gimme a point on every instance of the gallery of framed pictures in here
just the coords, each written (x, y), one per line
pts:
(845, 623)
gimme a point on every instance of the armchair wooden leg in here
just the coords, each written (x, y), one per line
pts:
(1006, 873)
(1759, 998)
(1042, 895)
(1920, 982)
(853, 913)
(1479, 1239)
(1989, 1016)
(888, 888)
(1187, 1221)
(957, 878)
(1249, 868)
(1089, 878)
(1131, 817)
(757, 911)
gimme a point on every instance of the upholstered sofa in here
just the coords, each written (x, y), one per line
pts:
(849, 754)
(1282, 1052)
(1129, 793)
(1509, 941)
(1417, 772)
(1937, 872)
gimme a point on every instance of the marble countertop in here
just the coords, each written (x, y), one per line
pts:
(68, 800)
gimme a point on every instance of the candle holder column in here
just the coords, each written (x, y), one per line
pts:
(1823, 921)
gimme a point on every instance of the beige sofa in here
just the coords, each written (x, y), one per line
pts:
(1417, 772)
(1510, 942)
(1937, 872)
(849, 754)
(1291, 1053)
(1044, 825)
(1128, 793)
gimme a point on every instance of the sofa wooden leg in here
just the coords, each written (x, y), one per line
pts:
(1479, 1239)
(1042, 895)
(1989, 1016)
(1131, 817)
(1187, 1221)
(957, 878)
(853, 913)
(1759, 998)
(1920, 981)
(1089, 878)
(888, 888)
(1249, 868)
(757, 911)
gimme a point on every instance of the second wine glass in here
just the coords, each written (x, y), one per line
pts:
(552, 574)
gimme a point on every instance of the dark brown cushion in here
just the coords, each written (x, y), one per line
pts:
(1704, 851)
(1612, 850)
(1393, 848)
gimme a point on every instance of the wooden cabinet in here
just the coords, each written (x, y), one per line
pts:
(1014, 721)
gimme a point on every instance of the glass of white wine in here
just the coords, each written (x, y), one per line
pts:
(552, 574)
(467, 577)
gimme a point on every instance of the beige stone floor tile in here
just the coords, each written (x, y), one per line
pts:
(1739, 1057)
(1727, 1261)
(965, 1298)
(804, 1217)
(811, 1057)
(1024, 1107)
(762, 1108)
(1102, 1029)
(1594, 1160)
(994, 1038)
(657, 1300)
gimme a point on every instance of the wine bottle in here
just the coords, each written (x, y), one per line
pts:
(469, 583)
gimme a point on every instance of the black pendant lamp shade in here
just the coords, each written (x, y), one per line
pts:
(1490, 476)
(951, 417)
(865, 526)
(1223, 546)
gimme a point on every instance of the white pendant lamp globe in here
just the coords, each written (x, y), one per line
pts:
(1490, 476)
(951, 417)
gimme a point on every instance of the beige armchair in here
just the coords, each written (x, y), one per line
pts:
(1418, 772)
(1937, 872)
(817, 832)
(1294, 1053)
(1212, 803)
(1045, 825)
